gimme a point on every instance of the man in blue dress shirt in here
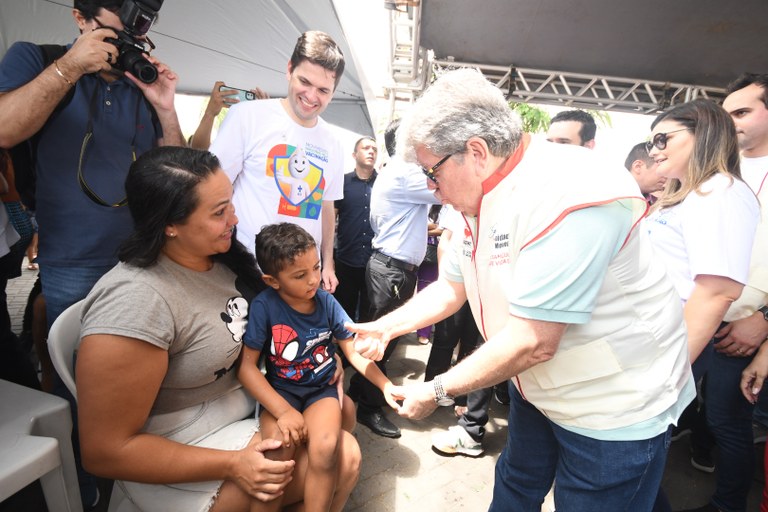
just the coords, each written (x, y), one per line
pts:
(399, 208)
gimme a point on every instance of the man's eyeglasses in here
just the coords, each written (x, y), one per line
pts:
(659, 141)
(430, 173)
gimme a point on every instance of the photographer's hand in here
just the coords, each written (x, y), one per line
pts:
(160, 95)
(89, 54)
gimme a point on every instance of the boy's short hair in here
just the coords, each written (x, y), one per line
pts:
(277, 245)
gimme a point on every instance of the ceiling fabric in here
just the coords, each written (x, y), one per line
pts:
(245, 43)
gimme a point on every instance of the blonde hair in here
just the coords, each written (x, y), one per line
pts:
(715, 150)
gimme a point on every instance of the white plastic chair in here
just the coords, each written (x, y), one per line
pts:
(35, 443)
(63, 339)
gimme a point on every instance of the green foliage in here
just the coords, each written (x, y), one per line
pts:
(535, 119)
(602, 118)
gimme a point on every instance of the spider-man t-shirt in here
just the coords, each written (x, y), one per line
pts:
(301, 347)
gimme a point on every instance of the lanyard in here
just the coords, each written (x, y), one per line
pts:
(92, 195)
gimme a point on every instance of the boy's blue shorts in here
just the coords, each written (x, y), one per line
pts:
(301, 396)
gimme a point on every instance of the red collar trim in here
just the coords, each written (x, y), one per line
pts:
(508, 166)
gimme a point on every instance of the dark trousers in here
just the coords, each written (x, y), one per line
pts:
(459, 328)
(476, 417)
(729, 418)
(389, 287)
(15, 364)
(352, 292)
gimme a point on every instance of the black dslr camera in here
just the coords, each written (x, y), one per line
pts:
(137, 16)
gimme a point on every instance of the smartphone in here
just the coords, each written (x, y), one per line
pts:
(242, 94)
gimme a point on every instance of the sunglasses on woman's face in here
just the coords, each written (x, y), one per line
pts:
(659, 141)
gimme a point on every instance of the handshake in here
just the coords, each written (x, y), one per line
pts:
(413, 401)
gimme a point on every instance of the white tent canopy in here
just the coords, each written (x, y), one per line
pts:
(245, 43)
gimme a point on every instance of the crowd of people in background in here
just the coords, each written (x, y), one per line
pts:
(612, 311)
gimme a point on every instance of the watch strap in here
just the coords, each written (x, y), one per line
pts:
(440, 395)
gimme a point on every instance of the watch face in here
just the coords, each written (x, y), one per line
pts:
(445, 401)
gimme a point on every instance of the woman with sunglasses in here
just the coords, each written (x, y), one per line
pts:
(703, 225)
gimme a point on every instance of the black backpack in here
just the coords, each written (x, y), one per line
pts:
(24, 153)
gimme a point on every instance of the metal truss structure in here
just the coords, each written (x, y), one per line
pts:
(410, 64)
(412, 67)
(579, 90)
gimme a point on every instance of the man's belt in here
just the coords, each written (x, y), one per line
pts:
(392, 262)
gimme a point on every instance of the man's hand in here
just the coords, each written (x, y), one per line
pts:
(753, 377)
(162, 91)
(89, 54)
(743, 337)
(330, 281)
(371, 340)
(258, 476)
(419, 401)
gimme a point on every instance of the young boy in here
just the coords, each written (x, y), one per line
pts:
(298, 322)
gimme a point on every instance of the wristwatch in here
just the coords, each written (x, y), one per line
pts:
(441, 397)
(764, 311)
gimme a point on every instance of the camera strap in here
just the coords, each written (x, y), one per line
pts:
(92, 195)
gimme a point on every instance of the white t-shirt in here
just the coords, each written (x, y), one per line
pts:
(281, 171)
(754, 171)
(709, 233)
(755, 294)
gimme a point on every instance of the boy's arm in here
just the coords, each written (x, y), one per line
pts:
(368, 369)
(289, 420)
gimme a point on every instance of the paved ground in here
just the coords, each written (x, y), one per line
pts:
(405, 475)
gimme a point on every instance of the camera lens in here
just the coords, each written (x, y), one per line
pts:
(139, 67)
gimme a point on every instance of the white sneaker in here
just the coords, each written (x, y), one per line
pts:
(456, 441)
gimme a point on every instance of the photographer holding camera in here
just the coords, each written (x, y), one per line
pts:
(88, 116)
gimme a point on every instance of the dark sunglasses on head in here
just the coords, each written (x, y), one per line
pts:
(659, 141)
(430, 173)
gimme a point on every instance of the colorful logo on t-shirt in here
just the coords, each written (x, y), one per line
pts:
(299, 178)
(285, 357)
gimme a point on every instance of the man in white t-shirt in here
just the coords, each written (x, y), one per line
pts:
(285, 162)
(729, 416)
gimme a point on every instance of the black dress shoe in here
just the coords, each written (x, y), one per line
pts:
(378, 423)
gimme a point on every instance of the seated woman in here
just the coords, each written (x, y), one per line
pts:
(160, 407)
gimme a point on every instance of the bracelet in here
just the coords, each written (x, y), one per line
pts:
(56, 66)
